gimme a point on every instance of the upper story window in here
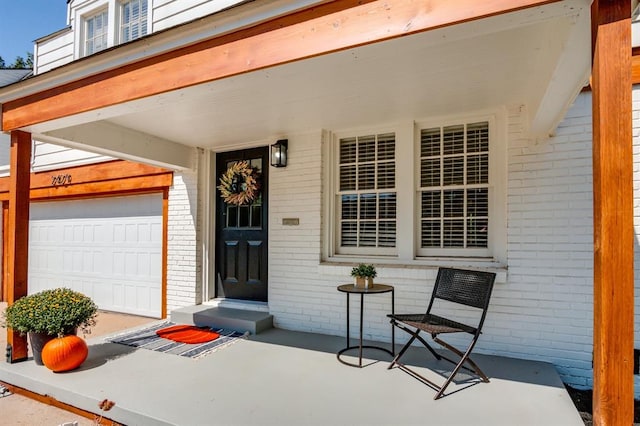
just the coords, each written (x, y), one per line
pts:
(96, 31)
(133, 20)
(106, 23)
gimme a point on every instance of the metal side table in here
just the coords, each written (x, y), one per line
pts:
(375, 289)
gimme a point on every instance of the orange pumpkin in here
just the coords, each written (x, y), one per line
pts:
(64, 353)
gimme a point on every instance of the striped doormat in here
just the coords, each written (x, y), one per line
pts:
(147, 338)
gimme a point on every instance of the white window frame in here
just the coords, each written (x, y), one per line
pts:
(121, 24)
(450, 251)
(85, 35)
(80, 13)
(407, 250)
(384, 251)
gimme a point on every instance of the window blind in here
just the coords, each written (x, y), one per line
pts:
(133, 22)
(96, 33)
(366, 191)
(454, 186)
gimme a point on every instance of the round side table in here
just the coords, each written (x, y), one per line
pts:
(349, 289)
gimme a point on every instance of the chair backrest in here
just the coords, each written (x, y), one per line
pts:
(470, 288)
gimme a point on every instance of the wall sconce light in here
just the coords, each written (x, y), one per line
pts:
(279, 153)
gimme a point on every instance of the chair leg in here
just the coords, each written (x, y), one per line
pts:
(464, 358)
(449, 379)
(428, 346)
(396, 361)
(416, 335)
(468, 359)
(402, 351)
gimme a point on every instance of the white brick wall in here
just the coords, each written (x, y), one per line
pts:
(546, 310)
(302, 291)
(551, 244)
(543, 310)
(297, 296)
(183, 253)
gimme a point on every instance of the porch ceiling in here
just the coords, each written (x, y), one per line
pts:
(537, 58)
(413, 77)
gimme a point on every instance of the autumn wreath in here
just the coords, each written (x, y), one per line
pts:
(239, 184)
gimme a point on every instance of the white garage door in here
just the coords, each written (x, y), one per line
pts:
(107, 248)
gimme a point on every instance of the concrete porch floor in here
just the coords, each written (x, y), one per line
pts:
(290, 378)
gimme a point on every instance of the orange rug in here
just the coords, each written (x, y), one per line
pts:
(187, 334)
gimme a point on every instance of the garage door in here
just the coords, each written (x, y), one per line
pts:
(108, 248)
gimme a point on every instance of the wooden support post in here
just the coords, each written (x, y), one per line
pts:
(5, 245)
(613, 214)
(18, 233)
(165, 250)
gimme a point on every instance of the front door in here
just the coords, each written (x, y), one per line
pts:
(241, 224)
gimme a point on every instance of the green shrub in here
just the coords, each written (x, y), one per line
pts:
(58, 311)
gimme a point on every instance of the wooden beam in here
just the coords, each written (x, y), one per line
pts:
(124, 186)
(99, 419)
(613, 214)
(165, 249)
(104, 179)
(635, 68)
(320, 30)
(18, 233)
(5, 249)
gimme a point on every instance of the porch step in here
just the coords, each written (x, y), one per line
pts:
(241, 320)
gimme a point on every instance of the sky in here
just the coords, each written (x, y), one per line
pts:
(23, 21)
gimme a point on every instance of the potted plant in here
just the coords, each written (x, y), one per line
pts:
(364, 275)
(50, 314)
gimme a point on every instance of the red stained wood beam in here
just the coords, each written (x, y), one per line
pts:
(118, 177)
(5, 232)
(635, 66)
(320, 30)
(18, 232)
(613, 214)
(97, 419)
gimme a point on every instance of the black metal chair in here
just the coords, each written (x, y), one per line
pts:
(457, 286)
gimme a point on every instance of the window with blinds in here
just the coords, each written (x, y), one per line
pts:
(96, 33)
(366, 193)
(454, 187)
(133, 20)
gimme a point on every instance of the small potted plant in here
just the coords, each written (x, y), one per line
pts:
(364, 275)
(49, 314)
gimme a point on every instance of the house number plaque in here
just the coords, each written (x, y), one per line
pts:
(57, 180)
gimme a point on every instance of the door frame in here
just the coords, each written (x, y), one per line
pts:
(212, 283)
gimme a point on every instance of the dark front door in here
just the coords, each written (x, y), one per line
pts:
(241, 228)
